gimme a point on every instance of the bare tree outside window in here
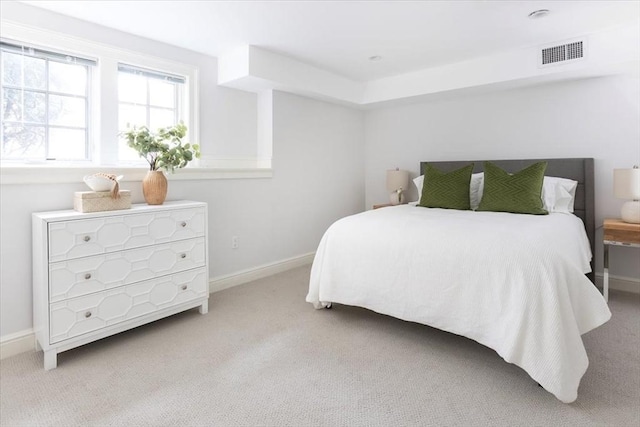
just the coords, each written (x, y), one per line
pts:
(44, 108)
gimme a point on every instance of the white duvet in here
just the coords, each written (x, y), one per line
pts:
(515, 283)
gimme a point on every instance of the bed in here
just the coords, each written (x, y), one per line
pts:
(518, 284)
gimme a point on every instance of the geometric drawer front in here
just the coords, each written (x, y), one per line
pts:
(82, 276)
(86, 237)
(77, 316)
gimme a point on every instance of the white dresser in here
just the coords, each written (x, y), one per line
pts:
(98, 274)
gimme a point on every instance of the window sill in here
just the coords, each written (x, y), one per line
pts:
(48, 174)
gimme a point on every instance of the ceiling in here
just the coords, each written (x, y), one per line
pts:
(340, 36)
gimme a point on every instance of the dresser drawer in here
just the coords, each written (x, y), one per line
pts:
(81, 238)
(82, 276)
(77, 316)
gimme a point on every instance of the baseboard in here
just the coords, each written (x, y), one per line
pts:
(619, 283)
(17, 343)
(224, 282)
(24, 341)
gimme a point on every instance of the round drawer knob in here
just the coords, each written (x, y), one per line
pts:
(183, 224)
(87, 314)
(87, 238)
(183, 256)
(87, 276)
(184, 287)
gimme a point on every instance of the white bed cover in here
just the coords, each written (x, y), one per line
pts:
(515, 283)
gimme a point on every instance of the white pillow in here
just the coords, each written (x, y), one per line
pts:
(475, 188)
(559, 194)
(418, 182)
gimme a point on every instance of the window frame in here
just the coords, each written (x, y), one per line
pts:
(51, 55)
(178, 96)
(103, 97)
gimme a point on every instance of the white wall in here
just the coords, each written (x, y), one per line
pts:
(317, 177)
(597, 118)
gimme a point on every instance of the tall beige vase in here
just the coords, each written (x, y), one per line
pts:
(154, 187)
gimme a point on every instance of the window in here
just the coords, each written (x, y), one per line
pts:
(66, 98)
(147, 98)
(45, 104)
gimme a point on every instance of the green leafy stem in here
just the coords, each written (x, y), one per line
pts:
(162, 149)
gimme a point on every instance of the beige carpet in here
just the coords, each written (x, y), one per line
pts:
(262, 356)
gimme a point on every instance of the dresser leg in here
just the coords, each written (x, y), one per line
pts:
(50, 360)
(204, 308)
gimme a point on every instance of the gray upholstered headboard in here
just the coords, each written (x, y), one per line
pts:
(580, 170)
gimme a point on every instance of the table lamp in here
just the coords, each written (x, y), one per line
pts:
(626, 185)
(397, 182)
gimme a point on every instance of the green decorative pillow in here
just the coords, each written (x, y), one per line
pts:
(517, 193)
(446, 190)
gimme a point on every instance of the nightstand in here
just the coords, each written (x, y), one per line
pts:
(381, 205)
(617, 233)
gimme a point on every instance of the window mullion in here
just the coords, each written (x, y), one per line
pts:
(148, 106)
(46, 110)
(176, 105)
(88, 152)
(107, 120)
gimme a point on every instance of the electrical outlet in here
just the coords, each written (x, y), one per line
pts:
(235, 244)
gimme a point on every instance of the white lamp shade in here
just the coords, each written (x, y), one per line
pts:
(397, 179)
(626, 183)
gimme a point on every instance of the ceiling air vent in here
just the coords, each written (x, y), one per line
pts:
(562, 53)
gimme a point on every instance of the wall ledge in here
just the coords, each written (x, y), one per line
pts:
(67, 174)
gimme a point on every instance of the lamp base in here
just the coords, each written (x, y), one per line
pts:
(397, 197)
(631, 212)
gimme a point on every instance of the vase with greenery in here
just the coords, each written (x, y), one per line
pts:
(164, 151)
